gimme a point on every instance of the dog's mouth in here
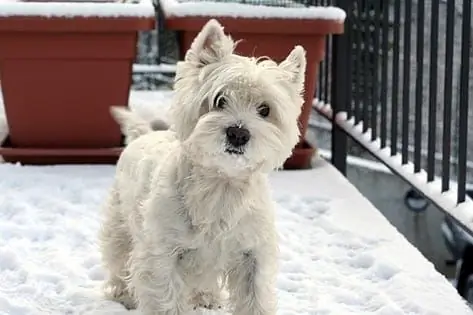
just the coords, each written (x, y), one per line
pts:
(234, 151)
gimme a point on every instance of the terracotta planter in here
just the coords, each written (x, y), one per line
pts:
(275, 38)
(59, 76)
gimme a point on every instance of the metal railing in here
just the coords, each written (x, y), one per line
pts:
(398, 83)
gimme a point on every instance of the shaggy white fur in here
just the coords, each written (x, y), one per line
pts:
(133, 126)
(190, 215)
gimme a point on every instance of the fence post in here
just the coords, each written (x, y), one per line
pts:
(340, 89)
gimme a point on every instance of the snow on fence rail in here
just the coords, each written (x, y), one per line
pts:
(392, 83)
(461, 212)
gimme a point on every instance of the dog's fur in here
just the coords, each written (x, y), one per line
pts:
(133, 126)
(190, 214)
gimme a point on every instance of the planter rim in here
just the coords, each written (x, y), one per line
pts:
(7, 151)
(260, 26)
(75, 24)
(48, 156)
(197, 8)
(13, 8)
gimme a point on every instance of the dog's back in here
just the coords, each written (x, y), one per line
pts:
(149, 149)
(148, 143)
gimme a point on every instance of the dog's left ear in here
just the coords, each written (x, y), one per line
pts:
(295, 64)
(210, 45)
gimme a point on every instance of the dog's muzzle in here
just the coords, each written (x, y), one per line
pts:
(237, 137)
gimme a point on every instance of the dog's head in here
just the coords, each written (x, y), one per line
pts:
(237, 113)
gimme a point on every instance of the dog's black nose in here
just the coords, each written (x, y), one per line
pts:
(238, 136)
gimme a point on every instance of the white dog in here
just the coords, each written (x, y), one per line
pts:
(190, 212)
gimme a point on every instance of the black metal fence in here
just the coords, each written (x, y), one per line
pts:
(401, 76)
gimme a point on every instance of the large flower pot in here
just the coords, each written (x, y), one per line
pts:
(62, 65)
(265, 31)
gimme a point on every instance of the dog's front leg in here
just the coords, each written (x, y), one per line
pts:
(252, 282)
(156, 283)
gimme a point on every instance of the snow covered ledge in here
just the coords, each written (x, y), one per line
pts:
(249, 9)
(143, 8)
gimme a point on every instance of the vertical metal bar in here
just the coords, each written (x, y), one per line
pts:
(357, 22)
(349, 65)
(406, 76)
(326, 66)
(375, 78)
(159, 14)
(320, 93)
(419, 85)
(395, 89)
(322, 73)
(327, 70)
(447, 107)
(431, 147)
(464, 98)
(366, 67)
(340, 55)
(384, 74)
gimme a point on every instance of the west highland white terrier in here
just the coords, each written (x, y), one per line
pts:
(190, 215)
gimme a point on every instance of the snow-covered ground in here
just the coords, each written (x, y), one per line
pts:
(339, 255)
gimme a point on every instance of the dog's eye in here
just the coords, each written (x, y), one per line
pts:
(263, 110)
(220, 101)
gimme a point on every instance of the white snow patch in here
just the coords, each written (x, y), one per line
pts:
(358, 162)
(161, 68)
(250, 9)
(76, 9)
(339, 255)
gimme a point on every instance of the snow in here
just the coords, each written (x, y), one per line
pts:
(74, 9)
(358, 162)
(161, 68)
(339, 255)
(250, 9)
(447, 201)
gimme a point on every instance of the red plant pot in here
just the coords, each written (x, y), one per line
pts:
(59, 76)
(275, 38)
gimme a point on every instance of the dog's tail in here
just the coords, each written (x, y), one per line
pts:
(132, 125)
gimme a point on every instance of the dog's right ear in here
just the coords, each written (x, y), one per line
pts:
(210, 45)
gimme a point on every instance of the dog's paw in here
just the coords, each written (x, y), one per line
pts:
(117, 291)
(208, 300)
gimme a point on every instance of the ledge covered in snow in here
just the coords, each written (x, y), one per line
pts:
(76, 9)
(197, 8)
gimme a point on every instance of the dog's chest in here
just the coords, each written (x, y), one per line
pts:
(212, 248)
(218, 214)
